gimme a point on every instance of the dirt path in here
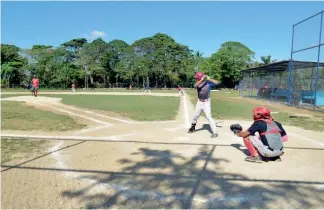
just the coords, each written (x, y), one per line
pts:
(119, 163)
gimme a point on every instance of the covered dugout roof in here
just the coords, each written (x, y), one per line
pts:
(283, 66)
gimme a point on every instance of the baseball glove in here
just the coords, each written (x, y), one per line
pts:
(236, 128)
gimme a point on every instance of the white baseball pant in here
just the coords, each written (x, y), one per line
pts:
(204, 106)
(264, 150)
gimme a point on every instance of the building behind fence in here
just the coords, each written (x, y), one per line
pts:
(298, 81)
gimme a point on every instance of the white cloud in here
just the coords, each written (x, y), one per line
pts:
(95, 34)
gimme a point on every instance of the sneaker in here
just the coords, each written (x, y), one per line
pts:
(215, 135)
(255, 159)
(277, 159)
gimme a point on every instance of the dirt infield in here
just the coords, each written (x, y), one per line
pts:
(121, 163)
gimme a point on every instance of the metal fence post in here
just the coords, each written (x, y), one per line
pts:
(272, 84)
(290, 65)
(318, 58)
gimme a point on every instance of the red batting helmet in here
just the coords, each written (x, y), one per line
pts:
(261, 113)
(199, 75)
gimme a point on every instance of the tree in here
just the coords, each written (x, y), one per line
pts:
(11, 64)
(229, 60)
(266, 60)
(158, 60)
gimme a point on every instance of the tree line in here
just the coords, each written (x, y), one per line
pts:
(158, 60)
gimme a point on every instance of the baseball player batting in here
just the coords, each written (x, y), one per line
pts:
(203, 85)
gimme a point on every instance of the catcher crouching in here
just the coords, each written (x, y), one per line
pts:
(269, 144)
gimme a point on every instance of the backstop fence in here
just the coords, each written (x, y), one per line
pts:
(299, 81)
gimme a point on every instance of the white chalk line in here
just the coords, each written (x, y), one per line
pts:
(87, 138)
(57, 157)
(185, 107)
(94, 113)
(305, 138)
(91, 129)
(78, 115)
(176, 128)
(151, 122)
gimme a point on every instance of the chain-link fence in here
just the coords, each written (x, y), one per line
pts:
(306, 85)
(298, 82)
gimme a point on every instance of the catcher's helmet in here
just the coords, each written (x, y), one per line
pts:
(199, 75)
(261, 113)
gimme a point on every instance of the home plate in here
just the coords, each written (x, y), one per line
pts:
(182, 138)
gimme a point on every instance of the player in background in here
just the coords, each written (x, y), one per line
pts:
(35, 85)
(73, 87)
(148, 88)
(203, 85)
(180, 89)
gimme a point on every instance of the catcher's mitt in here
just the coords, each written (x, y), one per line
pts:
(236, 128)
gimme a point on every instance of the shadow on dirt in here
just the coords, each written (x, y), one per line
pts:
(207, 127)
(165, 179)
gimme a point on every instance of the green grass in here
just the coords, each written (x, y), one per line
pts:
(316, 124)
(11, 95)
(158, 90)
(19, 116)
(141, 108)
(16, 149)
(225, 106)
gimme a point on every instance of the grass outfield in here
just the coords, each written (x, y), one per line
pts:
(16, 149)
(11, 95)
(227, 105)
(19, 116)
(158, 90)
(141, 108)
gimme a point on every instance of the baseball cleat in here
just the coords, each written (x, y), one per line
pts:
(192, 129)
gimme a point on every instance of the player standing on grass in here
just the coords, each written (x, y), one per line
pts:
(35, 85)
(148, 88)
(73, 87)
(203, 85)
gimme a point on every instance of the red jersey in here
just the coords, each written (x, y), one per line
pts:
(35, 82)
(73, 85)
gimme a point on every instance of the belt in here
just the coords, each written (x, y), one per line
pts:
(203, 100)
(273, 149)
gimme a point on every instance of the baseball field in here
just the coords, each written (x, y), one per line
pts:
(130, 149)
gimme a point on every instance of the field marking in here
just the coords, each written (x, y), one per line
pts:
(305, 138)
(176, 128)
(71, 113)
(186, 110)
(100, 115)
(88, 138)
(57, 157)
(91, 129)
(150, 122)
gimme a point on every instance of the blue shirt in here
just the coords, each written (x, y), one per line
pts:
(204, 88)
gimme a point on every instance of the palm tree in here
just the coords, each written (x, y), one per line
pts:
(198, 58)
(267, 60)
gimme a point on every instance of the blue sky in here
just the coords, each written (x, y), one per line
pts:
(265, 27)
